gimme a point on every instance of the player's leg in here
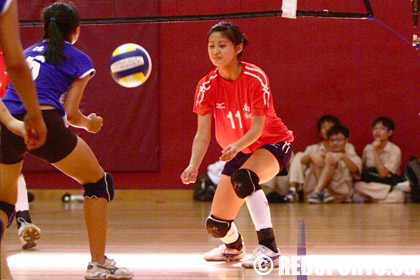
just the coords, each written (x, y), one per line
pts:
(8, 195)
(219, 224)
(5, 271)
(28, 232)
(82, 165)
(264, 164)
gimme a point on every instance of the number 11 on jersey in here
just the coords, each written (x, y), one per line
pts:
(232, 121)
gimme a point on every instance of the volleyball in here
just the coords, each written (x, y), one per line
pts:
(130, 65)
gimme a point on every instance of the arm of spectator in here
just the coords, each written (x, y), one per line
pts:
(354, 163)
(382, 170)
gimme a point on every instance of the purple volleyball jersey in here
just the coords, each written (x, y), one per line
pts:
(51, 81)
(4, 5)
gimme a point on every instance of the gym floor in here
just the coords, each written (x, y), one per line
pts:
(160, 234)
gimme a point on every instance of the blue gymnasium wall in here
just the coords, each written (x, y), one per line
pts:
(354, 69)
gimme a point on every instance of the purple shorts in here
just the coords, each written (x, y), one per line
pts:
(281, 150)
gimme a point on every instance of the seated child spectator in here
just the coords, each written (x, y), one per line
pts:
(334, 177)
(381, 165)
(298, 172)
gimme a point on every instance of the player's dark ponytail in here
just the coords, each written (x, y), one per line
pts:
(54, 53)
(60, 21)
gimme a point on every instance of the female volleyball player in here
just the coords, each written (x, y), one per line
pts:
(34, 128)
(58, 67)
(28, 232)
(255, 142)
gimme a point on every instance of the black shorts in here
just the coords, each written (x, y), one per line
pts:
(60, 141)
(281, 150)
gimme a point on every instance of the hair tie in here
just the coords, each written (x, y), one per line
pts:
(53, 19)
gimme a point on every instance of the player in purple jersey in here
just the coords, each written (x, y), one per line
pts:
(56, 59)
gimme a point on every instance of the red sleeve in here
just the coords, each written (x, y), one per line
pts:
(202, 106)
(4, 78)
(261, 95)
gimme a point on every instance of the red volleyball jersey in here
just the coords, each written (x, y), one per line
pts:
(4, 78)
(233, 103)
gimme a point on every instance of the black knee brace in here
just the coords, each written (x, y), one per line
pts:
(10, 211)
(217, 227)
(103, 188)
(245, 182)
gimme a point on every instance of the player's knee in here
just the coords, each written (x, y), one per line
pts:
(245, 182)
(9, 210)
(217, 227)
(103, 188)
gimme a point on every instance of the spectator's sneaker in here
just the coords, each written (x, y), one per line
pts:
(262, 257)
(327, 197)
(108, 270)
(28, 233)
(291, 195)
(223, 253)
(275, 197)
(315, 197)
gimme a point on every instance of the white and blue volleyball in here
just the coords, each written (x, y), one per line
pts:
(130, 65)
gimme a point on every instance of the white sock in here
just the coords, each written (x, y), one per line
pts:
(22, 199)
(259, 210)
(232, 235)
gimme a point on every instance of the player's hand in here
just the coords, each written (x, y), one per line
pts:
(96, 123)
(18, 128)
(318, 158)
(36, 131)
(376, 144)
(189, 175)
(229, 153)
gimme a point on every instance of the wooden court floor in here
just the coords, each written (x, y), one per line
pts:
(160, 234)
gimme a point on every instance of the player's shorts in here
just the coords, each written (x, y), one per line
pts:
(60, 142)
(281, 150)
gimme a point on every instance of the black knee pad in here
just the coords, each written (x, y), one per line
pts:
(217, 227)
(245, 182)
(10, 211)
(103, 188)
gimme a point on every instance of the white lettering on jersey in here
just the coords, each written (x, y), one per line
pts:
(38, 49)
(34, 64)
(247, 110)
(247, 116)
(220, 105)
